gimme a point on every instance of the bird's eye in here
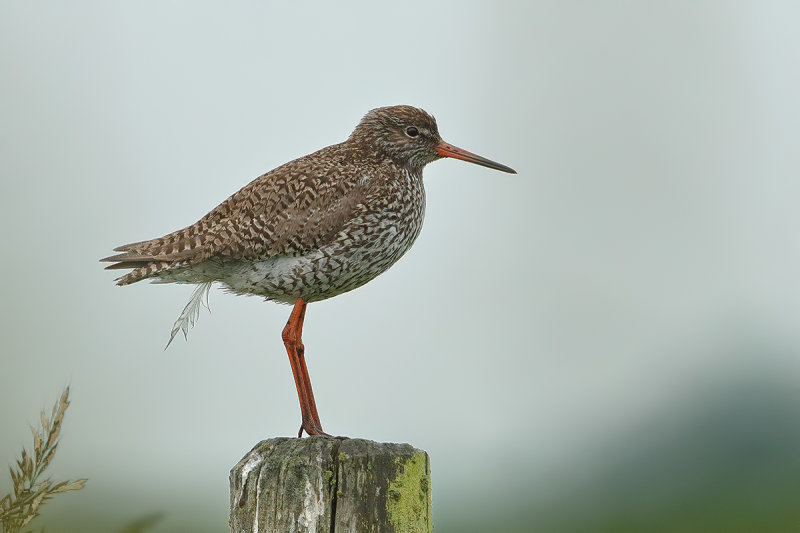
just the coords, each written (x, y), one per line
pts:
(411, 131)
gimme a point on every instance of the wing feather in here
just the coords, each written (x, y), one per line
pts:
(297, 207)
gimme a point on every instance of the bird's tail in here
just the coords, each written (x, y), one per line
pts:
(149, 258)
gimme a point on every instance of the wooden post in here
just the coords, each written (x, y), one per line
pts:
(327, 485)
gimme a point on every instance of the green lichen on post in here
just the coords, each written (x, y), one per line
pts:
(408, 497)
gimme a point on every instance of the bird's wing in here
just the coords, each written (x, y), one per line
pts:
(297, 207)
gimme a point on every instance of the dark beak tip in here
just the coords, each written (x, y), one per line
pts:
(501, 168)
(504, 168)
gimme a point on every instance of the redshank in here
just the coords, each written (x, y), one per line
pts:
(313, 228)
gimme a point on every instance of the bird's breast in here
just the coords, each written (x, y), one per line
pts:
(381, 228)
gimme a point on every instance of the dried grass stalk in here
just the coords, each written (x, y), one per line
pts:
(28, 494)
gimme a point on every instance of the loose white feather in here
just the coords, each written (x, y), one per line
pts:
(191, 312)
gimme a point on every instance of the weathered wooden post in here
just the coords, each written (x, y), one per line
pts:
(327, 485)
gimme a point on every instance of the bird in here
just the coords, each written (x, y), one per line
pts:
(308, 230)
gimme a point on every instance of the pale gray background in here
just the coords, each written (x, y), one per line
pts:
(610, 335)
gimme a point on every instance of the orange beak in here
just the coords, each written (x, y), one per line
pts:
(448, 150)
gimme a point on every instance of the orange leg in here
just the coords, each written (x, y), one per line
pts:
(292, 339)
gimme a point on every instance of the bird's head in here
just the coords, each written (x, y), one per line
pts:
(409, 136)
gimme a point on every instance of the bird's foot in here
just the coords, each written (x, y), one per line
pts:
(314, 429)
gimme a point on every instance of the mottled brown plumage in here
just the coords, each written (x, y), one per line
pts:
(313, 228)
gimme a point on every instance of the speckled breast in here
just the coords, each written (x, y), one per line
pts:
(382, 229)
